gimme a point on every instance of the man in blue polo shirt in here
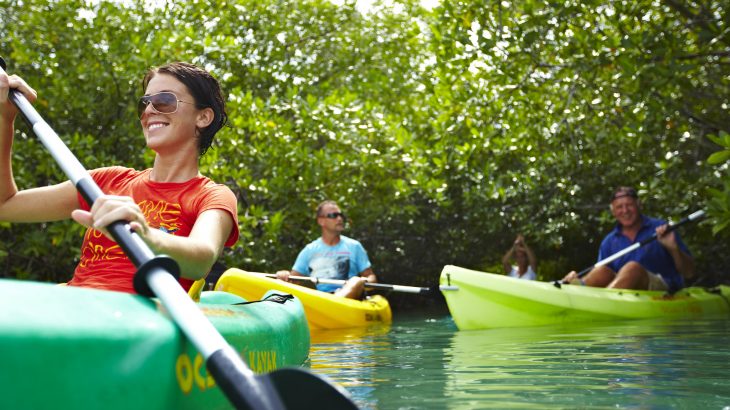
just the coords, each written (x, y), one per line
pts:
(663, 264)
(334, 256)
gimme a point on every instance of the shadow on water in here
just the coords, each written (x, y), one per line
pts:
(426, 363)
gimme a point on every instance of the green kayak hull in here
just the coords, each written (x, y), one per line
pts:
(72, 348)
(479, 300)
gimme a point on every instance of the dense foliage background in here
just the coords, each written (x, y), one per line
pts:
(442, 133)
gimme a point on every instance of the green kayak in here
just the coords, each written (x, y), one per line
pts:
(479, 300)
(72, 348)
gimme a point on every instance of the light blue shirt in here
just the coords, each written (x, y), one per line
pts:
(342, 261)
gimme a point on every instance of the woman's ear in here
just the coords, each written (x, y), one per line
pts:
(205, 118)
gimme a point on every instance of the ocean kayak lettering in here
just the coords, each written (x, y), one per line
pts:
(262, 362)
(373, 317)
(693, 308)
(192, 372)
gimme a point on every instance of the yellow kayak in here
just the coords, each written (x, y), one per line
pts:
(323, 310)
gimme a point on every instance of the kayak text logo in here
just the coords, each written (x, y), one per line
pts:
(192, 372)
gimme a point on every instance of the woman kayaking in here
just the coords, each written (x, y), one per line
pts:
(175, 210)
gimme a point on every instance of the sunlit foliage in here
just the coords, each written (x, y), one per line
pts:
(442, 133)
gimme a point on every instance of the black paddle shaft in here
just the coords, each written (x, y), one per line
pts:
(134, 247)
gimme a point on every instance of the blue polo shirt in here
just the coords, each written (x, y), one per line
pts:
(652, 256)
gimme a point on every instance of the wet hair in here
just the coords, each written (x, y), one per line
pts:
(206, 91)
(323, 204)
(623, 191)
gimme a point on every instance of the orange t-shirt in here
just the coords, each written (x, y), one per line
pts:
(169, 206)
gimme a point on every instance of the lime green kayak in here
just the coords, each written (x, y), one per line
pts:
(479, 300)
(72, 348)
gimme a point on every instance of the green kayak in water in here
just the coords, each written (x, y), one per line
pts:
(73, 348)
(479, 300)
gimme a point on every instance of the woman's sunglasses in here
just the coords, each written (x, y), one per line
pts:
(163, 102)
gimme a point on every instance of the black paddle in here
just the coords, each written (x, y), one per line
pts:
(157, 276)
(693, 217)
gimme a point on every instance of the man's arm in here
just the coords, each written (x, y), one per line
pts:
(369, 275)
(685, 263)
(302, 260)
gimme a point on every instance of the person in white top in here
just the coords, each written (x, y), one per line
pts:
(526, 267)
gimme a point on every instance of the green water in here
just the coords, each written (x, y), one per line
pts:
(424, 362)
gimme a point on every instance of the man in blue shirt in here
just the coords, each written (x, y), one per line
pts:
(334, 256)
(663, 264)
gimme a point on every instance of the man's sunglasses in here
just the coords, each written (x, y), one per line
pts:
(334, 215)
(163, 102)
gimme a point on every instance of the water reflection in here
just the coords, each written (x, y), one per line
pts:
(645, 364)
(348, 357)
(425, 363)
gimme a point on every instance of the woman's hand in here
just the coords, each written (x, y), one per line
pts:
(520, 240)
(110, 208)
(8, 111)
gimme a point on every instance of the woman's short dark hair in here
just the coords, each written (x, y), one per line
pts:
(206, 91)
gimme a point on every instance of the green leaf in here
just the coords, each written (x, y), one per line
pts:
(719, 157)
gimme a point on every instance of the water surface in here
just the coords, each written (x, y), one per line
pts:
(424, 362)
